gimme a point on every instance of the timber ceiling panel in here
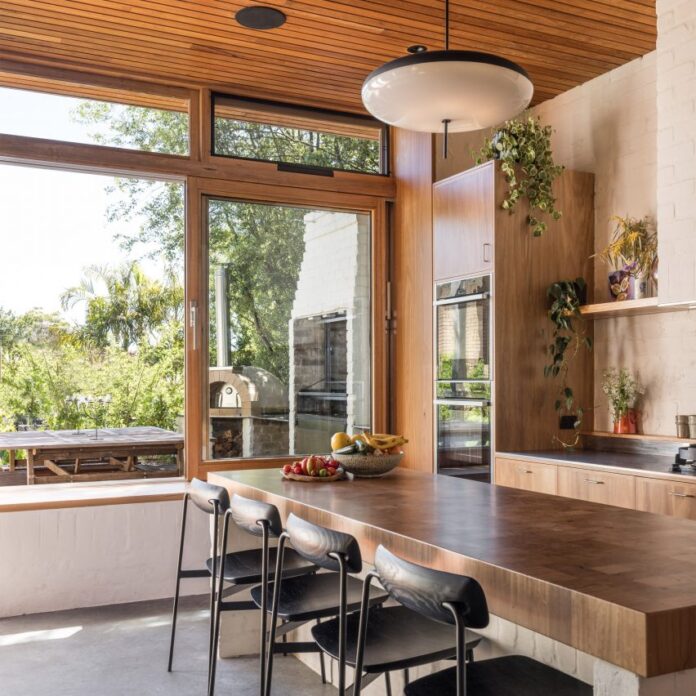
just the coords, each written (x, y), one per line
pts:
(323, 52)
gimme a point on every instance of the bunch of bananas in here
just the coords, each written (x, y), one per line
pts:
(383, 442)
(366, 443)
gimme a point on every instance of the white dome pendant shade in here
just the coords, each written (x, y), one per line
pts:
(457, 91)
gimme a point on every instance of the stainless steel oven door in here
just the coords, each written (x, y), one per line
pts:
(464, 438)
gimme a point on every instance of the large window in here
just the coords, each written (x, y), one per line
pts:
(295, 136)
(91, 326)
(290, 341)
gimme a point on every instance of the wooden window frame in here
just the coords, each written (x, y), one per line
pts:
(204, 176)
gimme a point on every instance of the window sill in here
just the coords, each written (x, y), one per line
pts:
(67, 495)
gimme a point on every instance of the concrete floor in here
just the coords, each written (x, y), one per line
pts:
(121, 650)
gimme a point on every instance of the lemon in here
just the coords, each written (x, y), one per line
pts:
(339, 441)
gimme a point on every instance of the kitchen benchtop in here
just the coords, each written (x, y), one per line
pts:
(624, 462)
(615, 583)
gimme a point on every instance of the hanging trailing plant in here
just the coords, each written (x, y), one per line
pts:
(523, 147)
(569, 336)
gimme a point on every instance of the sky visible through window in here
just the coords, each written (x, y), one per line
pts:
(53, 223)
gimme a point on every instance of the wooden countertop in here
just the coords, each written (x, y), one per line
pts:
(636, 463)
(615, 583)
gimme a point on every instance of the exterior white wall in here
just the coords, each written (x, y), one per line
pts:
(88, 556)
(608, 126)
(335, 277)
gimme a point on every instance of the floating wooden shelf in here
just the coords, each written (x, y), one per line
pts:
(635, 436)
(628, 308)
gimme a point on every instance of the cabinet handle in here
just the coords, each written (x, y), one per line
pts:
(595, 481)
(486, 252)
(525, 471)
(682, 495)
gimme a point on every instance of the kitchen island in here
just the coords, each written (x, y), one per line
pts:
(615, 584)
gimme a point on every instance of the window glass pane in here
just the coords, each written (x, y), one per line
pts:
(293, 135)
(91, 326)
(148, 123)
(289, 328)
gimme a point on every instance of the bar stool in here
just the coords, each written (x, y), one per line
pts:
(460, 602)
(241, 568)
(302, 599)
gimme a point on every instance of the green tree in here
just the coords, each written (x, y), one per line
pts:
(124, 306)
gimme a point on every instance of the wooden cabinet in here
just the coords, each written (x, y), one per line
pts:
(463, 221)
(529, 476)
(666, 497)
(597, 486)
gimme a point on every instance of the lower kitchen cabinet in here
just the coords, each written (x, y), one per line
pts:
(597, 486)
(666, 497)
(529, 476)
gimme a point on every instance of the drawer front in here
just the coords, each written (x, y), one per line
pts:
(666, 497)
(597, 486)
(529, 476)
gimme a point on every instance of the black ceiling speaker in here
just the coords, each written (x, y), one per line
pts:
(259, 17)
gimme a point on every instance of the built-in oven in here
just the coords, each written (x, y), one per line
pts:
(463, 377)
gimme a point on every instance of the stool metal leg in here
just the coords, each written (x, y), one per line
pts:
(175, 608)
(213, 593)
(274, 611)
(264, 607)
(387, 683)
(406, 682)
(362, 633)
(322, 664)
(217, 593)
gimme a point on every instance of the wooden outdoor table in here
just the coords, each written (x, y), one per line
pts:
(616, 584)
(121, 447)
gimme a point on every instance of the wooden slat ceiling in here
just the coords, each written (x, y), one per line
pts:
(323, 52)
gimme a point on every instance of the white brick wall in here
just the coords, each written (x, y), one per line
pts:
(88, 556)
(676, 137)
(609, 126)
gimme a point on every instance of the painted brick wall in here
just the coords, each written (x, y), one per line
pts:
(676, 137)
(609, 126)
(89, 556)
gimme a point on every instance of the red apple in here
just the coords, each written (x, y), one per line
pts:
(287, 468)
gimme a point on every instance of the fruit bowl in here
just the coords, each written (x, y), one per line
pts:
(368, 465)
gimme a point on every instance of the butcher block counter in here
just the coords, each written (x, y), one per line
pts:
(619, 585)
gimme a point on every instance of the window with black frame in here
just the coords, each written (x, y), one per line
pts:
(298, 138)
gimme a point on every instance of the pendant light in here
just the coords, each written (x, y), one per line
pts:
(447, 91)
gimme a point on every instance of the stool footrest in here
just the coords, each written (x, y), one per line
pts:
(203, 573)
(300, 647)
(237, 606)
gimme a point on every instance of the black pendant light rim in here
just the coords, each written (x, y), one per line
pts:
(450, 56)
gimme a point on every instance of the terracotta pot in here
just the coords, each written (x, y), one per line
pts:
(622, 425)
(632, 421)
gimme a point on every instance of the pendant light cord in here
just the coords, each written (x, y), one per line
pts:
(446, 25)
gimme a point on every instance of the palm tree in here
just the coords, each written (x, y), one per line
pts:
(124, 306)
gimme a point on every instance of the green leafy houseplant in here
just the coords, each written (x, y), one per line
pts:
(523, 147)
(633, 246)
(622, 390)
(569, 335)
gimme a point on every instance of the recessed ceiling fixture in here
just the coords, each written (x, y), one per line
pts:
(260, 17)
(447, 91)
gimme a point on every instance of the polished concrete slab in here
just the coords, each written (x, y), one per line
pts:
(121, 650)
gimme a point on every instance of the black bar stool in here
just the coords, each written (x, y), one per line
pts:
(459, 601)
(302, 599)
(242, 568)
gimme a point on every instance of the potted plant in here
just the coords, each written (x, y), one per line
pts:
(523, 147)
(632, 253)
(569, 336)
(622, 390)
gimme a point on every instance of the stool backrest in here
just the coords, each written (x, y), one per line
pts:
(318, 545)
(247, 514)
(205, 496)
(425, 590)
